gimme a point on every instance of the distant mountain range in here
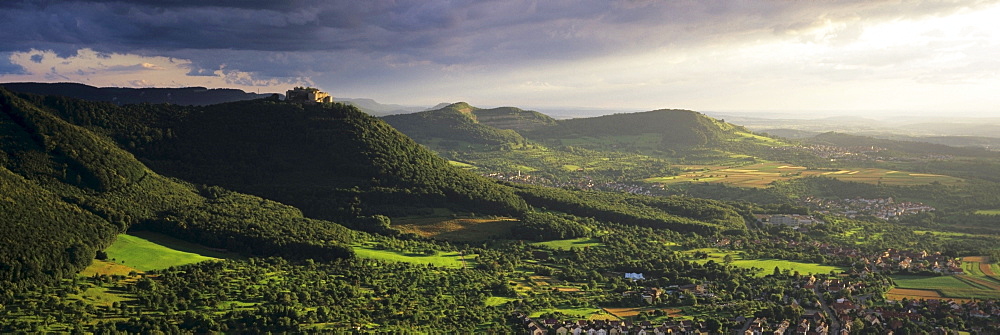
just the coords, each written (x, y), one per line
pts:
(188, 96)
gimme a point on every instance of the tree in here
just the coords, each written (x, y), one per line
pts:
(728, 259)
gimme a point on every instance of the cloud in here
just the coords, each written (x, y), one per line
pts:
(402, 48)
(8, 67)
(117, 69)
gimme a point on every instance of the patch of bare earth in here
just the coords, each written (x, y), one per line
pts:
(459, 230)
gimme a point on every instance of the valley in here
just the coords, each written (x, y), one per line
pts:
(267, 215)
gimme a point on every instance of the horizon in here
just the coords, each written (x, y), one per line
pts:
(875, 59)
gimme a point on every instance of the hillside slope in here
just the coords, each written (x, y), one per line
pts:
(333, 161)
(672, 128)
(461, 123)
(899, 146)
(68, 191)
(122, 95)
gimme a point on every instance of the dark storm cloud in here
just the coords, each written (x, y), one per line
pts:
(285, 37)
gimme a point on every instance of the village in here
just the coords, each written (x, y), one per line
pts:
(840, 306)
(882, 208)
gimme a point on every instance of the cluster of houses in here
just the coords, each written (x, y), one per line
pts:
(859, 153)
(652, 295)
(893, 259)
(848, 314)
(883, 208)
(788, 220)
(585, 183)
(889, 260)
(612, 327)
(809, 324)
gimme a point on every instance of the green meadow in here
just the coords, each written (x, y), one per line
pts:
(151, 251)
(442, 259)
(766, 265)
(578, 243)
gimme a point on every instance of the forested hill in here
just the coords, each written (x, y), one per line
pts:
(674, 128)
(899, 147)
(66, 192)
(332, 161)
(198, 96)
(461, 122)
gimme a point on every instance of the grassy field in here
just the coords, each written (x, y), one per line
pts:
(578, 243)
(766, 265)
(497, 301)
(99, 267)
(462, 165)
(960, 286)
(588, 313)
(442, 259)
(995, 211)
(762, 174)
(150, 251)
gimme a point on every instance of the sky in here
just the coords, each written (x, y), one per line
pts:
(867, 57)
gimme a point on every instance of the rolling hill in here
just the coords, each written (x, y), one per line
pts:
(68, 191)
(670, 128)
(198, 96)
(460, 123)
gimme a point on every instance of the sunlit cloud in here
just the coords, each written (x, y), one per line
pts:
(126, 70)
(701, 55)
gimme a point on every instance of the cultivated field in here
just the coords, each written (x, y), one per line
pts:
(455, 229)
(628, 312)
(762, 174)
(99, 267)
(907, 293)
(588, 313)
(952, 287)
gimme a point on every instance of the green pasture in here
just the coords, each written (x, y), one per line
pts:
(497, 301)
(579, 312)
(462, 165)
(150, 251)
(950, 286)
(995, 211)
(443, 259)
(766, 265)
(767, 140)
(578, 243)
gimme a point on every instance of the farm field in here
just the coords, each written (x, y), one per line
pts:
(146, 251)
(442, 259)
(959, 286)
(766, 265)
(588, 313)
(578, 243)
(629, 312)
(456, 229)
(762, 174)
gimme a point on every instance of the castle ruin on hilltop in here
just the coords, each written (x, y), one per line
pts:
(308, 95)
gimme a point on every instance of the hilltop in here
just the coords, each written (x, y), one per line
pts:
(197, 96)
(68, 191)
(459, 124)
